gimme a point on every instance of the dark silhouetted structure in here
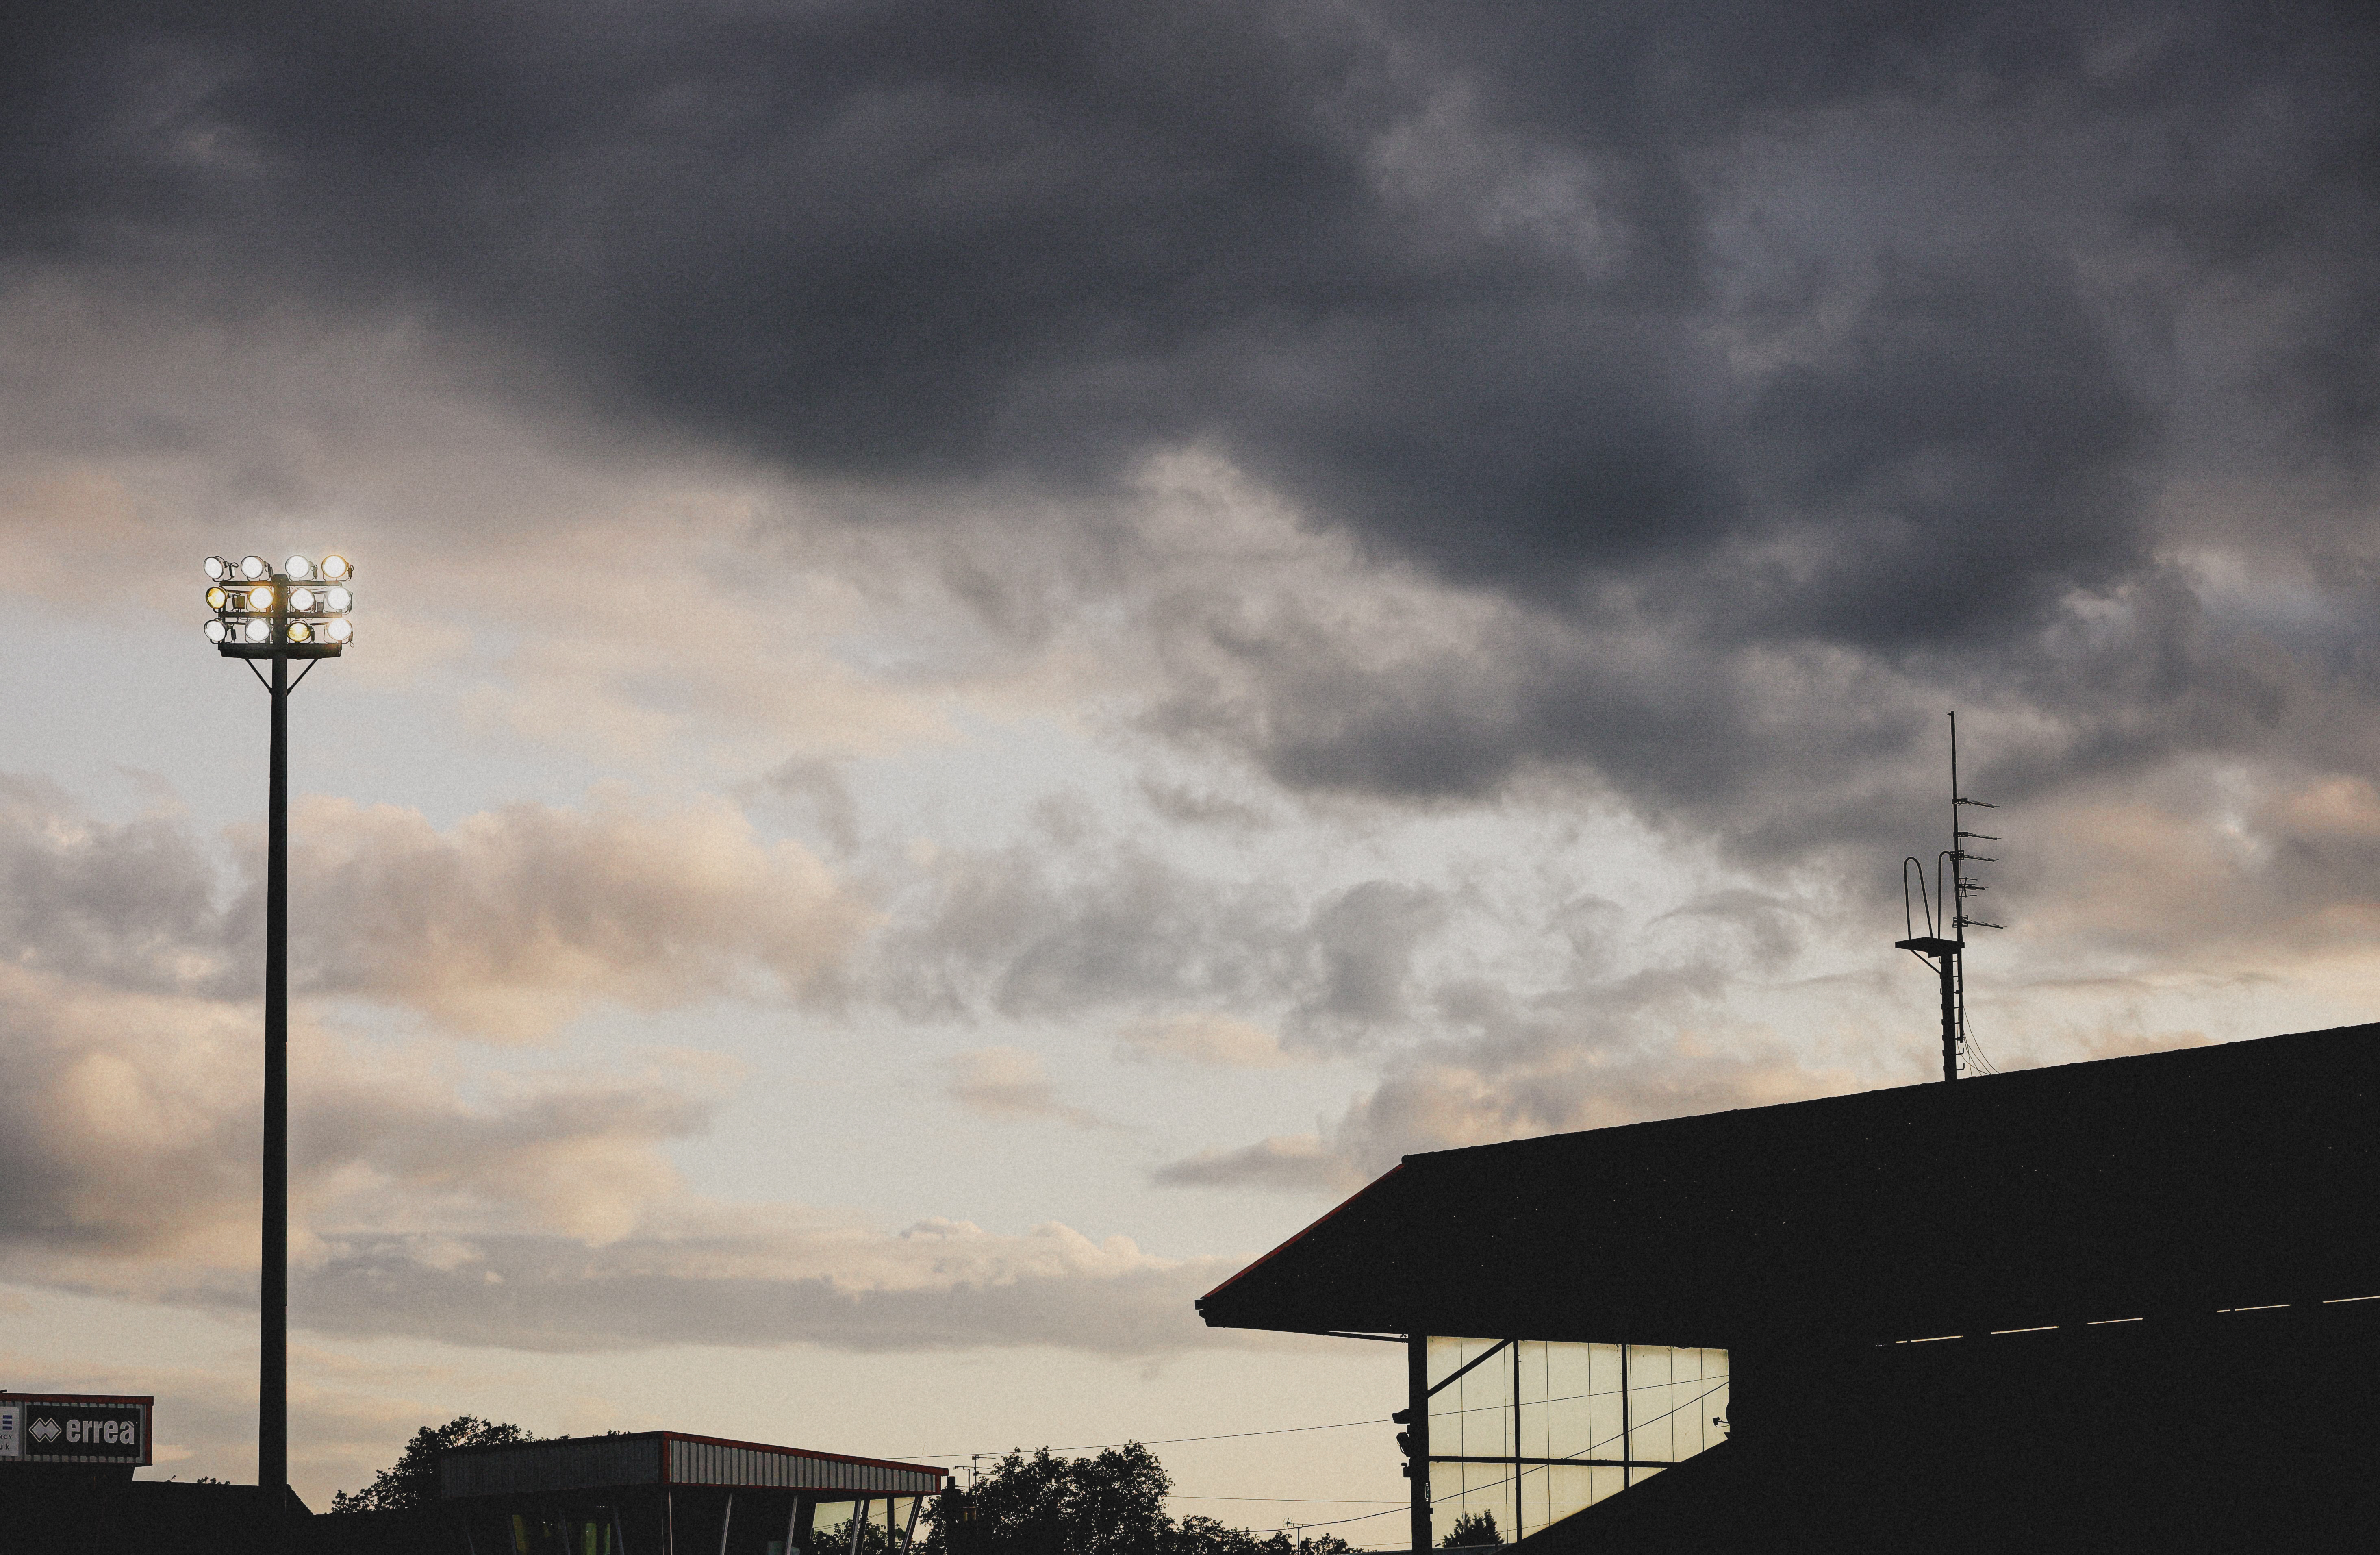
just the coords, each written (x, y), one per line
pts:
(667, 1493)
(2116, 1304)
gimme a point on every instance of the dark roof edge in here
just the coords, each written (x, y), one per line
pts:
(809, 1453)
(2196, 1052)
(1199, 1305)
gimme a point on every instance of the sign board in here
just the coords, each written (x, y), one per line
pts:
(74, 1428)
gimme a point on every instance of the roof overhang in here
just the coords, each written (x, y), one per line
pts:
(2231, 1175)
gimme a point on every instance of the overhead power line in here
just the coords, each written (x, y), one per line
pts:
(1283, 1430)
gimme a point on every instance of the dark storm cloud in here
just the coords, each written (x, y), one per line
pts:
(1753, 331)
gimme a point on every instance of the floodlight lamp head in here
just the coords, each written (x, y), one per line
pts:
(261, 597)
(254, 567)
(340, 630)
(337, 568)
(258, 628)
(218, 631)
(301, 599)
(337, 598)
(299, 566)
(218, 597)
(217, 569)
(300, 632)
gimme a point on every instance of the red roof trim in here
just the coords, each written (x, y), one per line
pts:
(146, 1400)
(1301, 1235)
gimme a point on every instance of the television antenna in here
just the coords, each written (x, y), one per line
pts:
(1943, 945)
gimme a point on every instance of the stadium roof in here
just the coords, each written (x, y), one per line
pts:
(2208, 1178)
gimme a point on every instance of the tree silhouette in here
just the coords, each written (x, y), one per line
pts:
(1471, 1529)
(412, 1480)
(1112, 1504)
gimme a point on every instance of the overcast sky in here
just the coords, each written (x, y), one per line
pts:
(1003, 648)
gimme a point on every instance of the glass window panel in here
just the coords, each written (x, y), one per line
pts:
(1473, 1417)
(1467, 1489)
(1555, 1493)
(1563, 1400)
(1649, 1403)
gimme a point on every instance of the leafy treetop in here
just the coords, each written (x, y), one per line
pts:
(1111, 1505)
(412, 1480)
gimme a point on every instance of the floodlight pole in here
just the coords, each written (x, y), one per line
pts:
(272, 1347)
(236, 615)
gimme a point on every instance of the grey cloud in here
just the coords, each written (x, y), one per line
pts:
(128, 1137)
(131, 903)
(1053, 1288)
(818, 786)
(1772, 927)
(1453, 284)
(541, 1215)
(1968, 448)
(506, 926)
(1515, 1069)
(1096, 925)
(1747, 385)
(518, 919)
(1298, 1162)
(1039, 930)
(1363, 940)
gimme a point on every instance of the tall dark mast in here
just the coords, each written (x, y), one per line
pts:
(1944, 944)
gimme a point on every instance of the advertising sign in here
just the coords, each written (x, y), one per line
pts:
(36, 1428)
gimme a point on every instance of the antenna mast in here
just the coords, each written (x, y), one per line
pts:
(1943, 945)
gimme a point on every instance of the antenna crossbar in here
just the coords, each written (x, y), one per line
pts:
(1952, 886)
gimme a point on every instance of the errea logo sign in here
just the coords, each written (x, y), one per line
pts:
(105, 1429)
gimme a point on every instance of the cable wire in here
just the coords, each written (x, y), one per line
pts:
(1279, 1430)
(1633, 1427)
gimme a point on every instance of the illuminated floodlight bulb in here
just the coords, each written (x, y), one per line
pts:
(217, 631)
(301, 599)
(254, 567)
(337, 568)
(337, 598)
(218, 597)
(217, 569)
(258, 630)
(339, 630)
(261, 597)
(300, 632)
(299, 566)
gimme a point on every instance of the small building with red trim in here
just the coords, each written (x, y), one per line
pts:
(671, 1493)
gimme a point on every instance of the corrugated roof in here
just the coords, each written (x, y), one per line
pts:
(673, 1458)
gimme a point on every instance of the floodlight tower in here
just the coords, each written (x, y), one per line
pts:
(299, 612)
